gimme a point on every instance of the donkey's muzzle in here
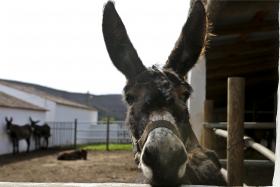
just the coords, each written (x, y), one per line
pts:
(163, 158)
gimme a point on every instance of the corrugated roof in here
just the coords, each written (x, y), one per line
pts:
(32, 90)
(13, 102)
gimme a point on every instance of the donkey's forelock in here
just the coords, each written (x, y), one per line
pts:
(164, 82)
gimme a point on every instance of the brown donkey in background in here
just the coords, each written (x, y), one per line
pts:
(17, 133)
(166, 147)
(73, 155)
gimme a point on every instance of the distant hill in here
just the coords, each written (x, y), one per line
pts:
(107, 105)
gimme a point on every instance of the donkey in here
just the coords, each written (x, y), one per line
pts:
(40, 132)
(73, 155)
(17, 133)
(165, 145)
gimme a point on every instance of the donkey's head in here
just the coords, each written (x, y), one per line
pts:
(9, 123)
(33, 123)
(157, 111)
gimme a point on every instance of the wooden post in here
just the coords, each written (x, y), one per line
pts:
(108, 134)
(235, 126)
(75, 133)
(207, 138)
(275, 101)
(209, 111)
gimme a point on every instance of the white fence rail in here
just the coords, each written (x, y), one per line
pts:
(249, 142)
(97, 133)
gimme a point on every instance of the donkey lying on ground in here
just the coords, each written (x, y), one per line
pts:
(73, 155)
(40, 132)
(17, 133)
(166, 148)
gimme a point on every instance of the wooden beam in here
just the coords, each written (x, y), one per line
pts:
(260, 84)
(208, 111)
(247, 125)
(241, 46)
(254, 52)
(240, 61)
(220, 40)
(231, 11)
(218, 66)
(208, 138)
(240, 69)
(235, 118)
(242, 28)
(263, 90)
(253, 163)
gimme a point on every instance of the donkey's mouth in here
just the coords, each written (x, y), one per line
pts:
(163, 157)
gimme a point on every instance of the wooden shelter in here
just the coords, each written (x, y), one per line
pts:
(245, 44)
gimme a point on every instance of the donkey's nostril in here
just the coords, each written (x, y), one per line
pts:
(149, 156)
(164, 156)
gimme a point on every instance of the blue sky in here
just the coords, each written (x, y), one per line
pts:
(59, 43)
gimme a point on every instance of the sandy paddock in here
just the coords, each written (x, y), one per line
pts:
(42, 166)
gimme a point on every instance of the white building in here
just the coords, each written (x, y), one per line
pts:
(58, 109)
(20, 111)
(22, 100)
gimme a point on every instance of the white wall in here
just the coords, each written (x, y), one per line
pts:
(68, 113)
(63, 125)
(34, 99)
(20, 117)
(197, 79)
(56, 112)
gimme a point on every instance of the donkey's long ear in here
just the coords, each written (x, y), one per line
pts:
(119, 47)
(190, 43)
(6, 119)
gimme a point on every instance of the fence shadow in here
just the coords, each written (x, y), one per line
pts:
(69, 134)
(10, 158)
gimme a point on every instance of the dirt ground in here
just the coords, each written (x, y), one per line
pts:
(42, 166)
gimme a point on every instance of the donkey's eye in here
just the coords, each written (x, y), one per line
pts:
(185, 96)
(130, 99)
